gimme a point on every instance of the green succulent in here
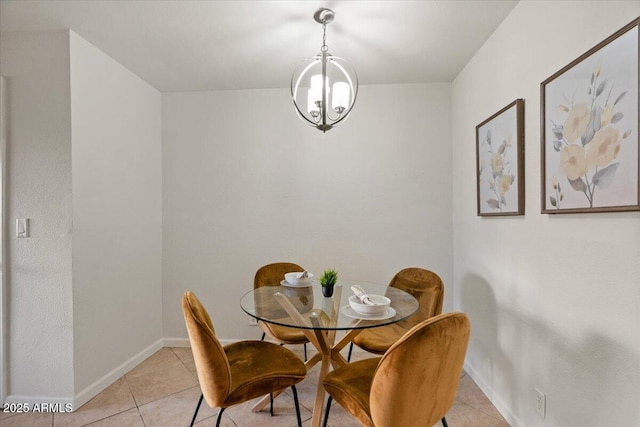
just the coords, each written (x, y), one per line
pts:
(329, 277)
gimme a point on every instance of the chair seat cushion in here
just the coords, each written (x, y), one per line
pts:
(350, 387)
(260, 367)
(378, 340)
(284, 334)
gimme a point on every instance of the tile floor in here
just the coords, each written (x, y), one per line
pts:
(163, 391)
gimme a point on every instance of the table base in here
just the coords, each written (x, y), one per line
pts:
(324, 341)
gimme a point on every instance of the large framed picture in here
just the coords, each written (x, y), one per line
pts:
(500, 162)
(589, 130)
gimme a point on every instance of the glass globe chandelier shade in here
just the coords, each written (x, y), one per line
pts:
(324, 105)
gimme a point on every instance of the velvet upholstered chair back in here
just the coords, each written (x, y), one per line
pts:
(416, 380)
(426, 286)
(273, 274)
(212, 364)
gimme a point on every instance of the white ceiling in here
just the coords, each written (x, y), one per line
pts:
(213, 45)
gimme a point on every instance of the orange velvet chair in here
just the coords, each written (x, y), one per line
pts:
(240, 371)
(426, 286)
(413, 384)
(272, 275)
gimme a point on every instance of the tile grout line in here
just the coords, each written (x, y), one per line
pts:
(481, 411)
(186, 367)
(117, 413)
(126, 381)
(144, 423)
(226, 414)
(198, 380)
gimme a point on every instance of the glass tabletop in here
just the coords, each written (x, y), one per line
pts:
(264, 304)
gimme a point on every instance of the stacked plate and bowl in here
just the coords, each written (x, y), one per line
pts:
(297, 279)
(372, 307)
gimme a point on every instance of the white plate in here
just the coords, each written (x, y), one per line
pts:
(291, 285)
(350, 312)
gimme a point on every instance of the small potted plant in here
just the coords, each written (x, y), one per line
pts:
(328, 281)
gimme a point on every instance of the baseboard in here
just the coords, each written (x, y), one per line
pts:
(176, 342)
(184, 342)
(92, 390)
(511, 418)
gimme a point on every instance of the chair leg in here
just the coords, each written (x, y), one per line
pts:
(264, 334)
(195, 414)
(295, 401)
(305, 352)
(444, 422)
(350, 350)
(271, 404)
(219, 417)
(326, 411)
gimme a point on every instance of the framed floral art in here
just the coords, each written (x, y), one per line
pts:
(589, 130)
(499, 162)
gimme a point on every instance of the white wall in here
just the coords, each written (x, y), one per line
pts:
(117, 216)
(554, 301)
(40, 330)
(65, 339)
(246, 183)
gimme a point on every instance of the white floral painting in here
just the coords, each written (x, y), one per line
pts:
(590, 130)
(499, 152)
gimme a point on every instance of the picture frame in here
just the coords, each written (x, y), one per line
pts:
(500, 162)
(589, 130)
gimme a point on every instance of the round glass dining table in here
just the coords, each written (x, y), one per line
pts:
(333, 313)
(319, 318)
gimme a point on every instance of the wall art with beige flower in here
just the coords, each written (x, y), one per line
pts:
(499, 162)
(590, 130)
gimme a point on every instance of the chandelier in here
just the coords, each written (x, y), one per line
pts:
(324, 105)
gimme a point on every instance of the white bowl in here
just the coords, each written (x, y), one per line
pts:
(295, 279)
(381, 304)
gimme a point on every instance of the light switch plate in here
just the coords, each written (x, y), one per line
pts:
(22, 227)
